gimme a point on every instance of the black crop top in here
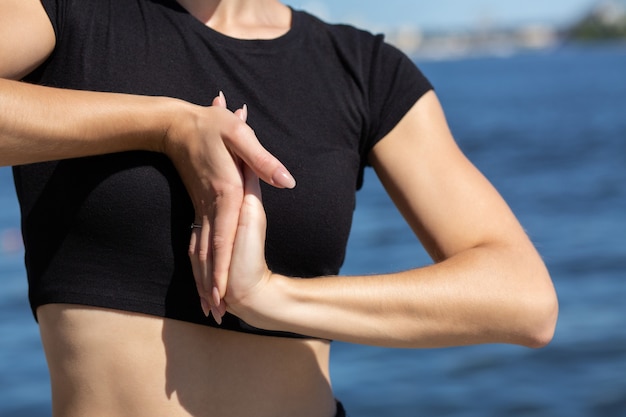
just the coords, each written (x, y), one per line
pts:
(112, 231)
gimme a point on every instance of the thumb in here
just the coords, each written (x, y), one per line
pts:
(252, 208)
(248, 267)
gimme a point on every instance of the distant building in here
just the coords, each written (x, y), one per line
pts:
(499, 42)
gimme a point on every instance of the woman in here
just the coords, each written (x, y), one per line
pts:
(115, 98)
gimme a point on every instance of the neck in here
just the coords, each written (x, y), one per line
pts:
(244, 19)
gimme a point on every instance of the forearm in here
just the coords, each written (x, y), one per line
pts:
(474, 297)
(41, 123)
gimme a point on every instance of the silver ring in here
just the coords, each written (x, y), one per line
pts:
(196, 226)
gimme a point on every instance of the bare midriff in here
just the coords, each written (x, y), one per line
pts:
(109, 363)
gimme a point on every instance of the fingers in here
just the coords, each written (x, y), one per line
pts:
(242, 141)
(242, 113)
(263, 163)
(200, 253)
(248, 272)
(224, 227)
(218, 207)
(252, 193)
(211, 242)
(220, 100)
(201, 247)
(200, 265)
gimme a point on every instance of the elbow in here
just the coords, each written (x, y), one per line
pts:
(544, 326)
(541, 312)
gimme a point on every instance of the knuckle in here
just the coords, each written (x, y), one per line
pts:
(263, 161)
(203, 255)
(228, 191)
(220, 275)
(239, 131)
(219, 243)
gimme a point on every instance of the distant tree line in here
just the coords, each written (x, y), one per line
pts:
(599, 25)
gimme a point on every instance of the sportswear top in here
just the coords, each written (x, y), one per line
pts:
(113, 230)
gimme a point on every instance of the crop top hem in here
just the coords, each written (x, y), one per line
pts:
(126, 305)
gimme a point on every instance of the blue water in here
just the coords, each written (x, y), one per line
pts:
(549, 129)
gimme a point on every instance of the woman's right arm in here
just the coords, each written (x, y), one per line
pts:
(42, 124)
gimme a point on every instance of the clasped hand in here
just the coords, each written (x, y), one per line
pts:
(220, 161)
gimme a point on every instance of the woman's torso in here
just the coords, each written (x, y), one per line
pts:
(106, 237)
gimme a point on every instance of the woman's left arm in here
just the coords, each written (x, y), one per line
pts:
(488, 283)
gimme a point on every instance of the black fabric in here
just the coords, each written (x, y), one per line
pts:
(341, 412)
(112, 231)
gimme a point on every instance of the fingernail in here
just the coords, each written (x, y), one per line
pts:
(216, 315)
(222, 309)
(244, 112)
(205, 307)
(283, 179)
(222, 98)
(216, 296)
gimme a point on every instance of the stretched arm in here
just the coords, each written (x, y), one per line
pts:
(488, 283)
(206, 144)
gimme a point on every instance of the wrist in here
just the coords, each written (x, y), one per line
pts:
(174, 120)
(266, 305)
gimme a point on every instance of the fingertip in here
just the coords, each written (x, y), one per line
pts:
(222, 309)
(242, 113)
(206, 309)
(283, 178)
(220, 100)
(216, 315)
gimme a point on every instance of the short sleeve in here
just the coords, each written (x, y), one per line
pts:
(52, 8)
(59, 12)
(395, 84)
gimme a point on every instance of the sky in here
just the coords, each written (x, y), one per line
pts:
(445, 14)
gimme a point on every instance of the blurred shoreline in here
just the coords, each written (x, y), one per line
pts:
(605, 21)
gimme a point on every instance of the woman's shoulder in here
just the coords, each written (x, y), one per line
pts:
(339, 33)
